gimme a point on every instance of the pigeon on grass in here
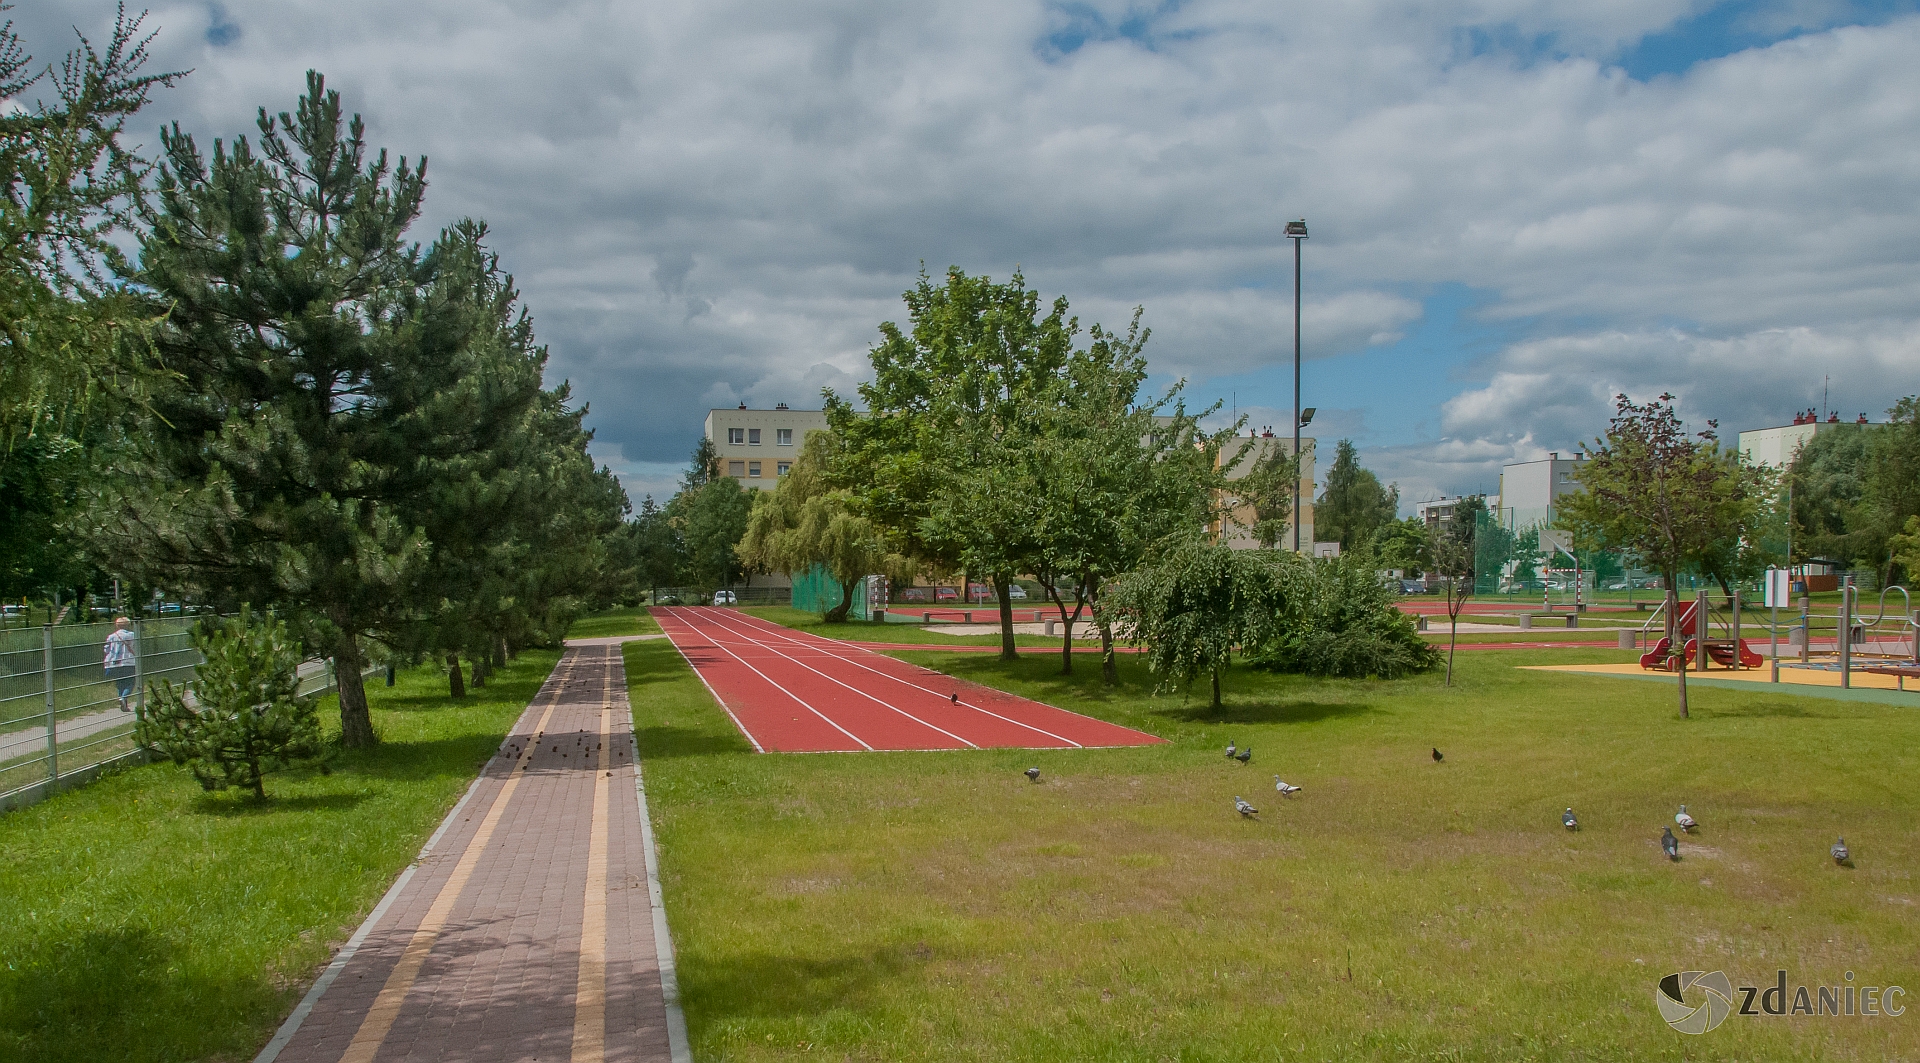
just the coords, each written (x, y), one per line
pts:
(1437, 758)
(1286, 789)
(1033, 774)
(1687, 823)
(1568, 821)
(1669, 843)
(1841, 854)
(1231, 749)
(1244, 755)
(1246, 810)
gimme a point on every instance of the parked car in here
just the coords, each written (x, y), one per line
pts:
(916, 594)
(1413, 586)
(945, 594)
(980, 592)
(1017, 593)
(724, 598)
(668, 599)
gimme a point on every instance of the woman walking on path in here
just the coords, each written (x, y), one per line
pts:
(119, 660)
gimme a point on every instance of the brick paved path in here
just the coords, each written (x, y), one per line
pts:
(530, 927)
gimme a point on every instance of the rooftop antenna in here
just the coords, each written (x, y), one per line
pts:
(1824, 381)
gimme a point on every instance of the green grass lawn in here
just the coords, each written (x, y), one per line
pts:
(635, 621)
(143, 919)
(936, 906)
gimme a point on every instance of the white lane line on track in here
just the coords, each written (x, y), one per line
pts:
(870, 697)
(826, 646)
(797, 698)
(717, 699)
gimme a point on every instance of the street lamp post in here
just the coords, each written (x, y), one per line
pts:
(1296, 231)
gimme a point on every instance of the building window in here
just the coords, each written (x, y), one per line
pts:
(783, 436)
(781, 469)
(753, 437)
(736, 468)
(736, 436)
(753, 468)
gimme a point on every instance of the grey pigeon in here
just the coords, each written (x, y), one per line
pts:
(1567, 820)
(1230, 750)
(1437, 758)
(1244, 755)
(1240, 805)
(1687, 823)
(1670, 843)
(1033, 774)
(1841, 854)
(1285, 788)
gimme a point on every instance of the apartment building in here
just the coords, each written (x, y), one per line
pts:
(1530, 490)
(757, 447)
(1251, 448)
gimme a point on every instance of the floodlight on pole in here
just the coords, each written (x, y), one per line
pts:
(1306, 416)
(1296, 231)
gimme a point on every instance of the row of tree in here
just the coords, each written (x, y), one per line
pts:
(1854, 495)
(280, 398)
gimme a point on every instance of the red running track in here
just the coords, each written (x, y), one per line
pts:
(791, 692)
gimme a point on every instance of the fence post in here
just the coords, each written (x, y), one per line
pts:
(139, 668)
(53, 739)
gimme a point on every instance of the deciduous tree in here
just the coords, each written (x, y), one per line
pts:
(1669, 497)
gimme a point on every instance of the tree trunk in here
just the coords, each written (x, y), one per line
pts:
(838, 614)
(480, 670)
(1453, 640)
(500, 653)
(1109, 666)
(1216, 686)
(1066, 639)
(456, 684)
(1000, 585)
(356, 723)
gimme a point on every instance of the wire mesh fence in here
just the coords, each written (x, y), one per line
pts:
(69, 694)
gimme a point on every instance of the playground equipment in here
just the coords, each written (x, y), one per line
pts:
(1888, 643)
(1696, 627)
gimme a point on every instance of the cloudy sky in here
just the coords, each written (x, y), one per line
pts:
(1517, 207)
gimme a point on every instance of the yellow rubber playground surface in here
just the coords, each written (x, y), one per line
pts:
(1790, 676)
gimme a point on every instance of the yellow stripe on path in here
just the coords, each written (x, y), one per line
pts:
(386, 1007)
(590, 993)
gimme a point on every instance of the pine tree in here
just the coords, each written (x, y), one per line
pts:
(247, 717)
(331, 379)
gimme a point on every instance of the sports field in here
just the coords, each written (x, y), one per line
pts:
(790, 692)
(939, 906)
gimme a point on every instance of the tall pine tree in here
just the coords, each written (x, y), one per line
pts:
(331, 381)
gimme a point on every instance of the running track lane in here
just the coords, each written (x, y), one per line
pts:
(793, 692)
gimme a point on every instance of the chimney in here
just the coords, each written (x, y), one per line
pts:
(779, 405)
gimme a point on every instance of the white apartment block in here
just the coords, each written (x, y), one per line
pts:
(1530, 490)
(757, 447)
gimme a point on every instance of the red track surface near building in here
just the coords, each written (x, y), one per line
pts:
(791, 692)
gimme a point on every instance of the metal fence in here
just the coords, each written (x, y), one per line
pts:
(61, 715)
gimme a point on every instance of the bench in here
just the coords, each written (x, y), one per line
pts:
(1900, 673)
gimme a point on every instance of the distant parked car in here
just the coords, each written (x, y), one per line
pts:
(979, 592)
(1017, 593)
(916, 594)
(724, 598)
(945, 594)
(668, 599)
(1413, 586)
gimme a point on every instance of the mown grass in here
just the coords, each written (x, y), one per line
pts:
(144, 919)
(611, 622)
(936, 906)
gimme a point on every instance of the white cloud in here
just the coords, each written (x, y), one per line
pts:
(724, 199)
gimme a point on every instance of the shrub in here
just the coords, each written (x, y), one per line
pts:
(1342, 622)
(246, 717)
